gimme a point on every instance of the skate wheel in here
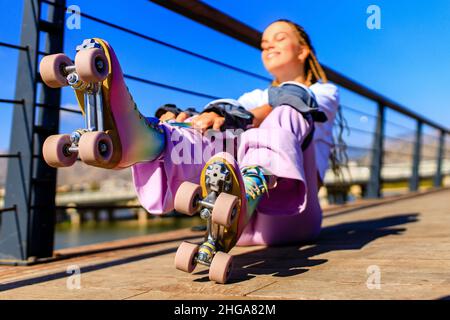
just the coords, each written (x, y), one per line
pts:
(186, 198)
(95, 148)
(225, 209)
(56, 151)
(185, 257)
(220, 268)
(52, 70)
(92, 65)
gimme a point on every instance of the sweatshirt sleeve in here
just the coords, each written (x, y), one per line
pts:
(254, 99)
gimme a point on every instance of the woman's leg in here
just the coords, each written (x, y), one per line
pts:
(290, 212)
(186, 151)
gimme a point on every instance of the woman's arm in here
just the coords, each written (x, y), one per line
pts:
(212, 120)
(260, 113)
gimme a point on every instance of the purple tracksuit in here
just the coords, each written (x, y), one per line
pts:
(290, 212)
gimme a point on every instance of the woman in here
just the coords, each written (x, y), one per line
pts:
(291, 213)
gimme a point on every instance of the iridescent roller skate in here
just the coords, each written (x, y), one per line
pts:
(226, 199)
(116, 134)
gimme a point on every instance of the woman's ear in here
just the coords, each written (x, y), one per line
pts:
(303, 54)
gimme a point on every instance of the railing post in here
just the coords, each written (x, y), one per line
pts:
(30, 183)
(440, 153)
(374, 185)
(415, 174)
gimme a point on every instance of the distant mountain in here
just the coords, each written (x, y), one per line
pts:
(81, 174)
(78, 174)
(401, 150)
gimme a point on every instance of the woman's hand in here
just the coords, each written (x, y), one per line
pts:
(201, 122)
(207, 120)
(170, 115)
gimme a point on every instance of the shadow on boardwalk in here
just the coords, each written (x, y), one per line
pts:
(294, 260)
(278, 261)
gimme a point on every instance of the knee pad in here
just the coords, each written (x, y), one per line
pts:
(299, 97)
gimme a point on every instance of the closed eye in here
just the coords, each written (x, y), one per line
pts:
(280, 36)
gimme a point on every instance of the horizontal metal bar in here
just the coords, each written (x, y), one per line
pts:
(70, 110)
(373, 116)
(361, 130)
(44, 105)
(358, 111)
(40, 156)
(22, 102)
(8, 209)
(430, 135)
(214, 19)
(404, 140)
(372, 95)
(10, 155)
(13, 46)
(398, 125)
(206, 204)
(198, 94)
(146, 81)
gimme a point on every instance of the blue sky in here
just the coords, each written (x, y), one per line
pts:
(407, 60)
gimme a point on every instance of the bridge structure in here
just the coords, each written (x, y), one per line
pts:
(28, 214)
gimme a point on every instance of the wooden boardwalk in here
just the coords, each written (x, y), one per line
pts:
(407, 240)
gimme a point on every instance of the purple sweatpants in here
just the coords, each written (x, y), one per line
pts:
(289, 213)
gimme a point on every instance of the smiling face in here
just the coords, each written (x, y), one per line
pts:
(282, 54)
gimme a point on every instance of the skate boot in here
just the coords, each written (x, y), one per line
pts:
(222, 200)
(116, 135)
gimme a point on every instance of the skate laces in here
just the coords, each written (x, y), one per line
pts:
(255, 181)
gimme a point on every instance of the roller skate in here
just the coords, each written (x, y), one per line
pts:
(116, 135)
(226, 199)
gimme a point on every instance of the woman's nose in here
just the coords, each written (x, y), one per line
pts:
(270, 45)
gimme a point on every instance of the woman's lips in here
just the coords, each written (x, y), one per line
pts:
(272, 54)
